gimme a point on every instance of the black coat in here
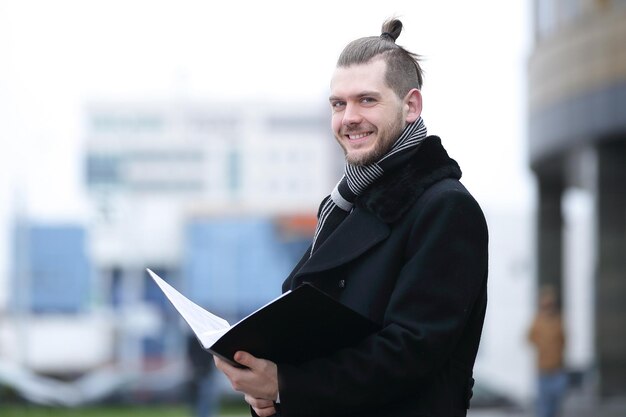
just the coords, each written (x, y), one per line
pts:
(412, 256)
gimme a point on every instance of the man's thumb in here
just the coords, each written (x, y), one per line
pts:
(243, 358)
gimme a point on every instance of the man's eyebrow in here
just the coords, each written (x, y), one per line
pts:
(359, 95)
(368, 94)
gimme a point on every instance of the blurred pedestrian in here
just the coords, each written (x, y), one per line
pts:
(548, 338)
(203, 389)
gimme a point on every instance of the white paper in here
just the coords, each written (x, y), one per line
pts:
(207, 326)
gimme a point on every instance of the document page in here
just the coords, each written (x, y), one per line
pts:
(207, 326)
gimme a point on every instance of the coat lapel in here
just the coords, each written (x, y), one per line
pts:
(354, 236)
(380, 205)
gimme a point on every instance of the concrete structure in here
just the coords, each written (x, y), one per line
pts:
(577, 138)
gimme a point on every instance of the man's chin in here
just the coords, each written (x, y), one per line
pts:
(361, 158)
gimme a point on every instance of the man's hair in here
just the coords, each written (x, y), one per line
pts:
(403, 69)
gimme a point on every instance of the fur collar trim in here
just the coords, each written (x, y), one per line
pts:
(395, 192)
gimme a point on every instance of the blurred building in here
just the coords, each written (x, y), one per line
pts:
(52, 272)
(237, 264)
(577, 139)
(218, 199)
(52, 327)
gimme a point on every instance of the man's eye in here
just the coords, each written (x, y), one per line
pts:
(337, 104)
(367, 100)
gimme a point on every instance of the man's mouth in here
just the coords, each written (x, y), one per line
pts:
(357, 136)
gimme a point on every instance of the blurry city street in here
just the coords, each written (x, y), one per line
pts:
(194, 139)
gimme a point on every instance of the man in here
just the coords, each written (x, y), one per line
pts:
(399, 240)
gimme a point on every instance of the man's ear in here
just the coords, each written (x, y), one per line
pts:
(413, 105)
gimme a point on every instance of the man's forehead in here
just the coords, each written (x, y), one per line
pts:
(359, 77)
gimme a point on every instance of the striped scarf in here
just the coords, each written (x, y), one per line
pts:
(357, 178)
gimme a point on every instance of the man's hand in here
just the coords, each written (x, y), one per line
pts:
(262, 408)
(259, 382)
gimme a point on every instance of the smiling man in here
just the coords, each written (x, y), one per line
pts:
(401, 241)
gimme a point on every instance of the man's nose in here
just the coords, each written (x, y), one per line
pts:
(351, 115)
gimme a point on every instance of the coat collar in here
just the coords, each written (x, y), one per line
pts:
(354, 236)
(395, 192)
(382, 204)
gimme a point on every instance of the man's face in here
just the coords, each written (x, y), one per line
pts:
(367, 116)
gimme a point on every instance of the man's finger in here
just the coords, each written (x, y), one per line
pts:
(245, 359)
(265, 412)
(263, 408)
(258, 402)
(220, 364)
(226, 368)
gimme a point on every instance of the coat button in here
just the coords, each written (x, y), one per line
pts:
(342, 283)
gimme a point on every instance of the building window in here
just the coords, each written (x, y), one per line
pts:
(127, 123)
(546, 17)
(234, 171)
(103, 169)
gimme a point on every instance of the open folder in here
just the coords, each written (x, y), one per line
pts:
(300, 325)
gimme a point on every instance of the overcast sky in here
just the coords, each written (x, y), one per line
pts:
(57, 55)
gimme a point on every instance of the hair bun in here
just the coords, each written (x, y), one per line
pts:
(391, 29)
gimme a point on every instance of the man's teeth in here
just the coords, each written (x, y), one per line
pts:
(359, 136)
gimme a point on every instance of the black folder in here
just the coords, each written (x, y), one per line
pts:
(300, 325)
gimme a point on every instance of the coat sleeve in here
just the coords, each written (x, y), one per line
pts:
(444, 271)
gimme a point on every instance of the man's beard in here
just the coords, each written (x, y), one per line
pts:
(386, 138)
